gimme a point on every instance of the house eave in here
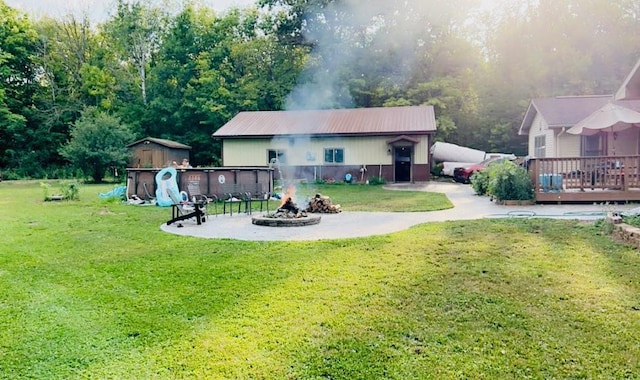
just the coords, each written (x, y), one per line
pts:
(322, 135)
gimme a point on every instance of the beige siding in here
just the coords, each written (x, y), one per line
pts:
(568, 145)
(539, 127)
(248, 152)
(300, 152)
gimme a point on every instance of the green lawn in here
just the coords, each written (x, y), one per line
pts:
(375, 198)
(94, 289)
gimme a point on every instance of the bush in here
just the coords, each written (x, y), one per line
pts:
(633, 220)
(437, 169)
(508, 181)
(504, 181)
(377, 181)
(480, 182)
(69, 190)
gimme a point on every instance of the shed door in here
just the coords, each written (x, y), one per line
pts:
(403, 156)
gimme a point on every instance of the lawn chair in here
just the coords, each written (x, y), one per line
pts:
(195, 194)
(261, 198)
(182, 209)
(232, 199)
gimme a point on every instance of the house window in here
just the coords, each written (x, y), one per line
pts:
(594, 145)
(276, 155)
(335, 155)
(539, 146)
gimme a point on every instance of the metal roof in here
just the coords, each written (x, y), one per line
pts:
(355, 121)
(163, 142)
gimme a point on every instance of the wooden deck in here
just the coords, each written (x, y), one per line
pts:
(586, 179)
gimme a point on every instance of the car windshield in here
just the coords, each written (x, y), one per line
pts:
(490, 160)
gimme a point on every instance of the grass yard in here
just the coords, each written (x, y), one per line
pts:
(375, 198)
(93, 289)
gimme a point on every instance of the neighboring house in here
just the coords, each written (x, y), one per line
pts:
(361, 143)
(157, 153)
(547, 121)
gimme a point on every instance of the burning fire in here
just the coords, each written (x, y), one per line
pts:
(288, 195)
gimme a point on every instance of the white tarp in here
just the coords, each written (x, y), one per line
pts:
(442, 151)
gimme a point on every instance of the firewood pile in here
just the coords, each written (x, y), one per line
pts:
(322, 204)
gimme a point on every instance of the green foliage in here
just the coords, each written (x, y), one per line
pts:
(480, 181)
(67, 190)
(182, 73)
(504, 180)
(98, 141)
(17, 87)
(633, 220)
(604, 227)
(437, 169)
(377, 180)
(46, 191)
(70, 190)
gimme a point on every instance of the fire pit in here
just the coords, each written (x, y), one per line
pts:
(288, 214)
(270, 221)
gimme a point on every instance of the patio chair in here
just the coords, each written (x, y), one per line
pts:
(182, 209)
(196, 195)
(260, 198)
(238, 198)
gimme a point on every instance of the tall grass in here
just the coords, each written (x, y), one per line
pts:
(94, 289)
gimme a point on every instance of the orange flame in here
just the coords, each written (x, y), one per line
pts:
(289, 194)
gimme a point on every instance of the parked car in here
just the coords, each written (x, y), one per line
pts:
(463, 174)
(449, 166)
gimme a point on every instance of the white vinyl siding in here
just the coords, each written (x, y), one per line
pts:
(540, 146)
(540, 131)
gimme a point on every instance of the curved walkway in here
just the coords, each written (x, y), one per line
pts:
(358, 224)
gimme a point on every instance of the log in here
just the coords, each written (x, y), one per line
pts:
(323, 204)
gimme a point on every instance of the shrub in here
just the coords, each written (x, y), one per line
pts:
(377, 181)
(68, 190)
(437, 169)
(46, 189)
(480, 182)
(508, 181)
(633, 220)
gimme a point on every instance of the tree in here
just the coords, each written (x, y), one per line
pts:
(17, 89)
(98, 141)
(70, 76)
(135, 32)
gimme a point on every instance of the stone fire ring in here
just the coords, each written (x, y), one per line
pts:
(285, 222)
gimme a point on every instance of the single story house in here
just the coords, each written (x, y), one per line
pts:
(388, 142)
(548, 123)
(152, 152)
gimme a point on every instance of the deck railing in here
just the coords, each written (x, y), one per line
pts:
(603, 178)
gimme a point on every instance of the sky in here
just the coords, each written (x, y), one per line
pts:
(97, 10)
